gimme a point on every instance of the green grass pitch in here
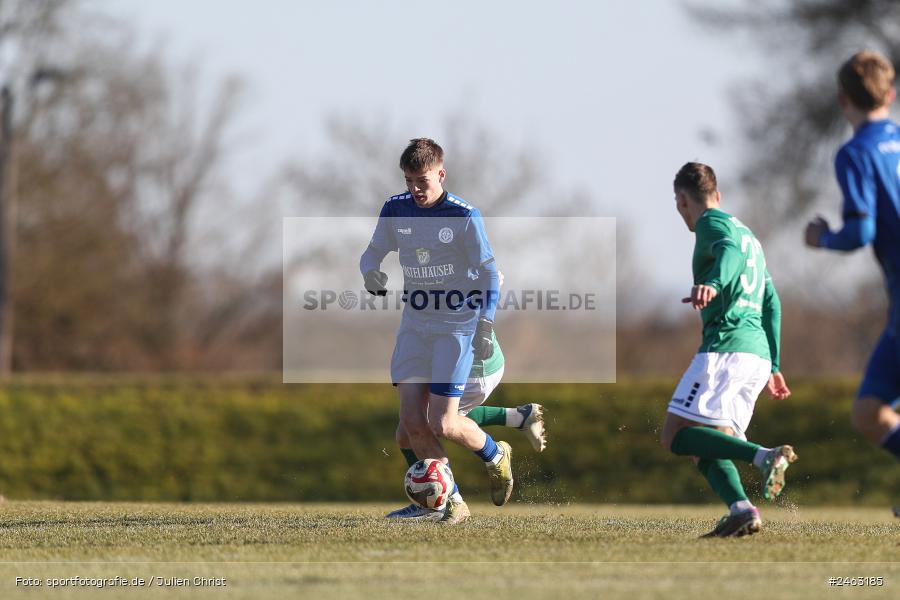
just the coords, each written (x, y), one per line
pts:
(520, 551)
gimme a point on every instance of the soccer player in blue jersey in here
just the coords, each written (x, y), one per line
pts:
(484, 377)
(447, 322)
(868, 172)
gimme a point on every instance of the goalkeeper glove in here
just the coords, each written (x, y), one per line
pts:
(375, 281)
(483, 341)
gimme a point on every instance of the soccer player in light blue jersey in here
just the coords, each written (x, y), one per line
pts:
(483, 379)
(868, 171)
(447, 322)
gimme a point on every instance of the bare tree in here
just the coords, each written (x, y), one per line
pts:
(792, 126)
(359, 171)
(118, 163)
(790, 118)
(26, 28)
(499, 180)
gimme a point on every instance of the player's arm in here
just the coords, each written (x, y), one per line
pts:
(490, 290)
(481, 256)
(715, 237)
(856, 177)
(383, 241)
(484, 341)
(771, 322)
(858, 231)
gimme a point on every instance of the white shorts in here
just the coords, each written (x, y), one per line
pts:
(720, 389)
(477, 391)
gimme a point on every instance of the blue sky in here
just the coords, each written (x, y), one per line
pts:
(614, 95)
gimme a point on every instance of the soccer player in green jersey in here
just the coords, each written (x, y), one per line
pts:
(711, 408)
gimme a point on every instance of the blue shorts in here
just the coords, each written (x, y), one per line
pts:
(443, 360)
(882, 378)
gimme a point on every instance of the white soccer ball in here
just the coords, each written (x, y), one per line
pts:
(429, 483)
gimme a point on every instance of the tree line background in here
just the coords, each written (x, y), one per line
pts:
(134, 252)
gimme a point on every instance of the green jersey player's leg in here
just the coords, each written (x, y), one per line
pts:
(484, 378)
(741, 314)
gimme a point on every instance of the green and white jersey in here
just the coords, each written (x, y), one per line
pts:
(745, 315)
(483, 368)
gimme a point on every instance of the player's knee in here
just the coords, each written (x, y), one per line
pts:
(402, 437)
(442, 428)
(412, 427)
(438, 428)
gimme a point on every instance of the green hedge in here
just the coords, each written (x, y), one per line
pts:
(260, 440)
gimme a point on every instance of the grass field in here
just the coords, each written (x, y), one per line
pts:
(520, 551)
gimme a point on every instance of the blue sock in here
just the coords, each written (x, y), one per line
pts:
(891, 441)
(489, 451)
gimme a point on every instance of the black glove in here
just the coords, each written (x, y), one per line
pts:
(375, 281)
(483, 341)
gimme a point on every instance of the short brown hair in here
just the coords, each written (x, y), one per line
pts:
(697, 179)
(421, 154)
(866, 79)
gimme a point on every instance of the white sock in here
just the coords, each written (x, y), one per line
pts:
(740, 506)
(760, 457)
(497, 457)
(456, 496)
(514, 418)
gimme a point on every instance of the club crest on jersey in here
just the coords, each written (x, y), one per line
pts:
(423, 256)
(445, 235)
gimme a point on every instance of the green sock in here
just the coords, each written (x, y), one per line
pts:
(410, 456)
(488, 415)
(723, 478)
(704, 442)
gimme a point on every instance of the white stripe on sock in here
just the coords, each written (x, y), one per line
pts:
(760, 458)
(514, 418)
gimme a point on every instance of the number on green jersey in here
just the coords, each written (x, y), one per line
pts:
(753, 279)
